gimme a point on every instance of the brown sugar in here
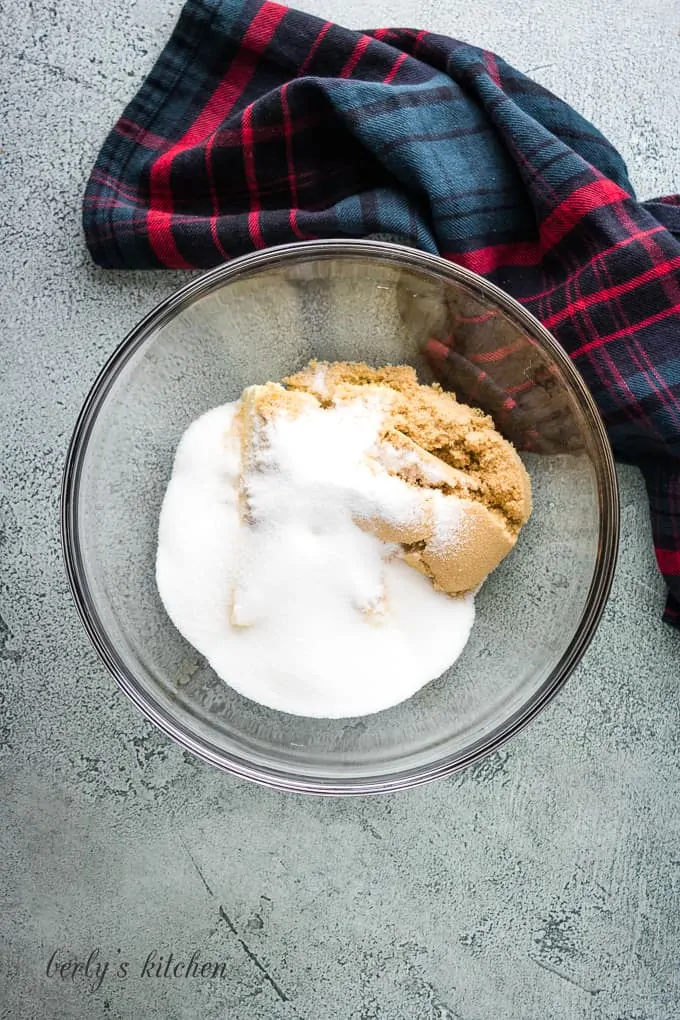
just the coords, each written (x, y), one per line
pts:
(448, 450)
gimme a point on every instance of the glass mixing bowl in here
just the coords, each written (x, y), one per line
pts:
(264, 316)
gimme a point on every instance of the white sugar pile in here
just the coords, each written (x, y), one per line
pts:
(299, 608)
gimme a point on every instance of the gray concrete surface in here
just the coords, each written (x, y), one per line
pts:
(543, 883)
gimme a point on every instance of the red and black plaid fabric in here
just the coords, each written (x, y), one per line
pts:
(261, 125)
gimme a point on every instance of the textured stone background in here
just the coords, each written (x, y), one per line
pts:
(543, 883)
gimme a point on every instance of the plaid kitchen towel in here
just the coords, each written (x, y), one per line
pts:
(260, 125)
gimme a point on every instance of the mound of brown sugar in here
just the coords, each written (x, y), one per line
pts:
(449, 450)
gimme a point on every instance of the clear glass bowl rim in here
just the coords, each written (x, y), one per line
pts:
(404, 257)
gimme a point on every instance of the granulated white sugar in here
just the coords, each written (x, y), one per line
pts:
(299, 607)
